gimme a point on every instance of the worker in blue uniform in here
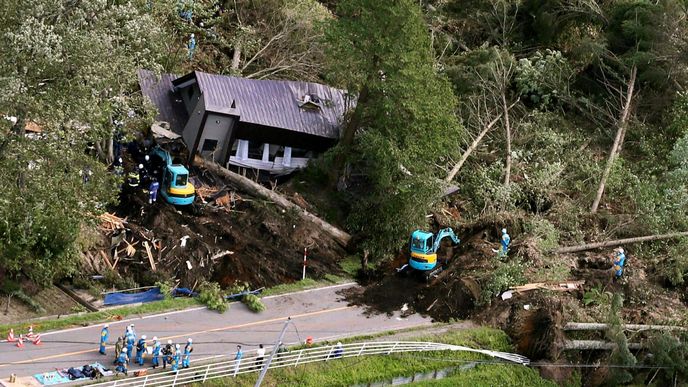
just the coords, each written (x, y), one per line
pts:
(104, 335)
(188, 348)
(175, 358)
(131, 341)
(506, 240)
(619, 259)
(122, 361)
(156, 353)
(140, 349)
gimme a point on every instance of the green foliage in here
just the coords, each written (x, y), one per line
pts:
(253, 302)
(165, 288)
(23, 297)
(621, 355)
(504, 276)
(546, 233)
(212, 296)
(669, 350)
(597, 296)
(543, 77)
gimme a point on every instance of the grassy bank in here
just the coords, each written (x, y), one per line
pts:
(83, 319)
(101, 316)
(369, 369)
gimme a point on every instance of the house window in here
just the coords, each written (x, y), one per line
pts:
(209, 145)
(255, 150)
(240, 149)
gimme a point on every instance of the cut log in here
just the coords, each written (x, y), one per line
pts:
(586, 345)
(574, 326)
(617, 242)
(256, 189)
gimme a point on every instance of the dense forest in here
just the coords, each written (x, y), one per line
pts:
(565, 120)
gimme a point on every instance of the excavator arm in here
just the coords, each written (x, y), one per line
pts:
(445, 232)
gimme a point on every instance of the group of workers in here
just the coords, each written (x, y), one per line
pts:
(144, 174)
(618, 256)
(171, 354)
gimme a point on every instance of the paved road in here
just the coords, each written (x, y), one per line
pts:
(320, 313)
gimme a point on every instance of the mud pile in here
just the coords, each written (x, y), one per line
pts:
(225, 238)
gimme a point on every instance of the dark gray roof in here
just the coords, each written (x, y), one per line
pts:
(161, 92)
(273, 103)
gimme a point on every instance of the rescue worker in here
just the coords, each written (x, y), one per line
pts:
(281, 349)
(118, 347)
(156, 352)
(143, 174)
(133, 179)
(104, 335)
(506, 240)
(86, 174)
(153, 191)
(618, 258)
(175, 358)
(140, 349)
(188, 348)
(131, 340)
(339, 349)
(191, 46)
(122, 361)
(167, 354)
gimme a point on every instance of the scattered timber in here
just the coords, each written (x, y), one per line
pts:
(76, 298)
(256, 189)
(618, 242)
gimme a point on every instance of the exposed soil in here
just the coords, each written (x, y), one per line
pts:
(53, 300)
(263, 244)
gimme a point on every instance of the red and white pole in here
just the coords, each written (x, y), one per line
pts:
(305, 262)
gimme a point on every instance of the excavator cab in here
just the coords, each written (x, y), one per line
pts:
(175, 186)
(423, 256)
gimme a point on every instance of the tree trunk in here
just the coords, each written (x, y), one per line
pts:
(620, 133)
(590, 246)
(578, 345)
(110, 150)
(236, 57)
(348, 136)
(507, 168)
(572, 326)
(256, 189)
(471, 148)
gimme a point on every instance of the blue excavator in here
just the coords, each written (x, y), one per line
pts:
(175, 187)
(423, 248)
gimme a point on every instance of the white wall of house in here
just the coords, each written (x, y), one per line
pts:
(274, 158)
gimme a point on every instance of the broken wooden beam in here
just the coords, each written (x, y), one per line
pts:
(617, 242)
(574, 326)
(150, 255)
(247, 185)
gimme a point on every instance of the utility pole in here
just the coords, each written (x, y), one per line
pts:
(272, 354)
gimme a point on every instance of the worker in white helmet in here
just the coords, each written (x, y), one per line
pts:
(104, 335)
(176, 358)
(506, 240)
(156, 352)
(618, 259)
(167, 354)
(141, 349)
(188, 348)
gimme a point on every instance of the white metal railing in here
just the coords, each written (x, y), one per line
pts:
(293, 358)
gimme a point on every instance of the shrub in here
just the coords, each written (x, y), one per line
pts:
(211, 296)
(254, 303)
(505, 276)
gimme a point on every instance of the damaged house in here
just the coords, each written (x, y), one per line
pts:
(264, 125)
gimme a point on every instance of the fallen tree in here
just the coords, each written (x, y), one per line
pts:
(251, 187)
(585, 345)
(616, 242)
(574, 326)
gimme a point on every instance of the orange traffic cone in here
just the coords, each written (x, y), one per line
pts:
(10, 336)
(37, 340)
(30, 334)
(309, 341)
(20, 343)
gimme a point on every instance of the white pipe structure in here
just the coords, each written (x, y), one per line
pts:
(227, 368)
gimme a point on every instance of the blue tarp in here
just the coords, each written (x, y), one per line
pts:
(59, 377)
(186, 292)
(132, 298)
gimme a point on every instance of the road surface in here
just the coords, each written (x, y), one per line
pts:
(320, 313)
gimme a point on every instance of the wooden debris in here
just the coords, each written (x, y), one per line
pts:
(560, 287)
(111, 222)
(618, 242)
(221, 254)
(575, 326)
(150, 255)
(106, 259)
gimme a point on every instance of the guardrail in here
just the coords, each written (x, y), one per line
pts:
(230, 368)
